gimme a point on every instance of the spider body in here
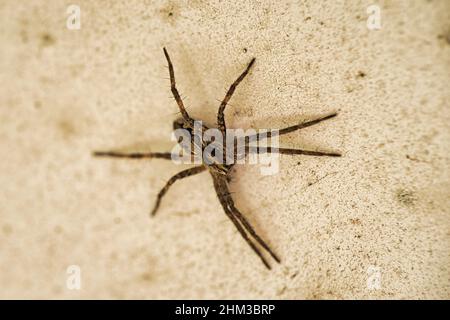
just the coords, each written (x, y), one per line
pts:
(219, 171)
(196, 147)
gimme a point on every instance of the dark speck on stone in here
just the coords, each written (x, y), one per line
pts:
(47, 40)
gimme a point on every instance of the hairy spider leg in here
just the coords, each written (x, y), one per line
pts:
(180, 175)
(175, 93)
(293, 151)
(290, 129)
(248, 226)
(224, 199)
(133, 155)
(223, 104)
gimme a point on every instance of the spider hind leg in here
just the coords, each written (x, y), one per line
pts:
(241, 223)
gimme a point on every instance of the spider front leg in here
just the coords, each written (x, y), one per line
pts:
(223, 104)
(175, 92)
(180, 175)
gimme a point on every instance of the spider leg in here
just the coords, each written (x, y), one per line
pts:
(133, 155)
(306, 124)
(223, 104)
(180, 175)
(290, 129)
(248, 226)
(174, 90)
(222, 194)
(293, 151)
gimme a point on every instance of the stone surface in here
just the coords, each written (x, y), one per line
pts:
(380, 210)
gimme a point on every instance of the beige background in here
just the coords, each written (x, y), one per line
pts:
(384, 204)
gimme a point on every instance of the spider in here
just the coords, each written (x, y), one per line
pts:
(220, 173)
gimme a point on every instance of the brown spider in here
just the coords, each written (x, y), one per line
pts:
(220, 172)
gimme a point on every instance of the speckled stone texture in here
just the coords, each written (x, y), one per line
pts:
(381, 210)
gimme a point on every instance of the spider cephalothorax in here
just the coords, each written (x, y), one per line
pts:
(220, 172)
